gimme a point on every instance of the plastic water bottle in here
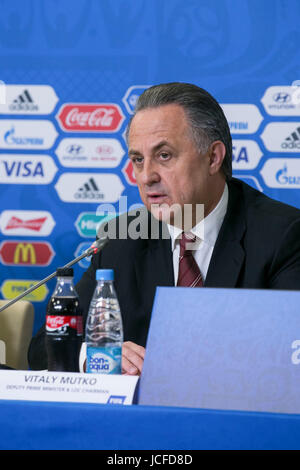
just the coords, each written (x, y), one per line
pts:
(104, 329)
(64, 325)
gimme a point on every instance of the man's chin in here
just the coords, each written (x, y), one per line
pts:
(168, 214)
(184, 217)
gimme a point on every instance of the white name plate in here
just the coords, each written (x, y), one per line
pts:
(67, 387)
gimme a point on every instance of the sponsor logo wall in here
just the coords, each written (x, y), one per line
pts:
(75, 137)
(62, 124)
(68, 158)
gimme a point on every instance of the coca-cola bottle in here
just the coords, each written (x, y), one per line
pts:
(64, 325)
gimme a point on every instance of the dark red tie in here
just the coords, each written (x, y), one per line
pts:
(189, 273)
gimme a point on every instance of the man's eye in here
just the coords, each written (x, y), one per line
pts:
(164, 155)
(137, 160)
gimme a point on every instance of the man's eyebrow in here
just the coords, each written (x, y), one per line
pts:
(133, 152)
(154, 148)
(160, 144)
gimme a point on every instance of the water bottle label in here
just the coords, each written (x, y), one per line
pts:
(104, 360)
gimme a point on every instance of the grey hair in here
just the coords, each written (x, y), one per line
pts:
(205, 115)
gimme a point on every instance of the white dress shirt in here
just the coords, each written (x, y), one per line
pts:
(206, 232)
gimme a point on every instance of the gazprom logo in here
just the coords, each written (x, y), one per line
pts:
(283, 178)
(9, 135)
(11, 139)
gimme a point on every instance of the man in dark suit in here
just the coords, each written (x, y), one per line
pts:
(180, 146)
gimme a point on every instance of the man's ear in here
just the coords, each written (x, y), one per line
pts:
(217, 154)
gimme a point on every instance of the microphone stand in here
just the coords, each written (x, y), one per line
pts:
(96, 246)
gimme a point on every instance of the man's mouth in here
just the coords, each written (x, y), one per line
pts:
(156, 198)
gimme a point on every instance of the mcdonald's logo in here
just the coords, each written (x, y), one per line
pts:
(26, 253)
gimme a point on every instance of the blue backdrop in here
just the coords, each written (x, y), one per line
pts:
(71, 73)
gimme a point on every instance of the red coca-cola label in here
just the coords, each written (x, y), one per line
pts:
(102, 117)
(59, 323)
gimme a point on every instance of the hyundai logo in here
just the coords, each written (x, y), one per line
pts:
(74, 149)
(282, 97)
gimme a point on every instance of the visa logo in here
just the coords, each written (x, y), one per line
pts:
(23, 169)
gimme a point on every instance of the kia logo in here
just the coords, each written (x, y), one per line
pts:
(282, 97)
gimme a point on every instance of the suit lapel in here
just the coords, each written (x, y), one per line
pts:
(228, 255)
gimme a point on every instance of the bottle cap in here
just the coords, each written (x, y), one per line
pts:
(104, 275)
(65, 272)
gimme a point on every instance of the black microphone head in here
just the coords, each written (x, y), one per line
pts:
(99, 243)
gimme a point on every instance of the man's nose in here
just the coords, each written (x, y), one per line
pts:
(150, 173)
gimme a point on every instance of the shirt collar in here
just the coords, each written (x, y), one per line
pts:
(208, 228)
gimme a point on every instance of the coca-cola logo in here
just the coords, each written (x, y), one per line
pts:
(90, 117)
(60, 323)
(57, 322)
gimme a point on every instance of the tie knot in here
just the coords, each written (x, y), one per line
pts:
(187, 239)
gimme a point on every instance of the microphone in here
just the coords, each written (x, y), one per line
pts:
(92, 250)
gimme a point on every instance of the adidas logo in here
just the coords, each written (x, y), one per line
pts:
(292, 141)
(89, 190)
(23, 102)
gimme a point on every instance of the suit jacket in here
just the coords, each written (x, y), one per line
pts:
(258, 246)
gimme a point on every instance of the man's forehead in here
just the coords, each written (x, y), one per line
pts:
(158, 121)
